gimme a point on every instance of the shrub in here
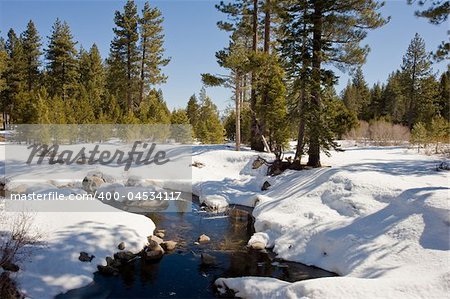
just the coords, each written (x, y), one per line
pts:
(15, 237)
(381, 132)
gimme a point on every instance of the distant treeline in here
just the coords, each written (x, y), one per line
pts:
(56, 83)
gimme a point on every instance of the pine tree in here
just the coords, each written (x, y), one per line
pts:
(151, 47)
(3, 66)
(377, 106)
(15, 76)
(356, 95)
(180, 129)
(124, 56)
(330, 31)
(92, 77)
(437, 13)
(61, 61)
(154, 109)
(419, 135)
(271, 108)
(209, 127)
(415, 68)
(444, 95)
(427, 105)
(394, 97)
(192, 111)
(32, 49)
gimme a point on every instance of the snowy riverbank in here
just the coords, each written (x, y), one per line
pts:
(379, 217)
(54, 268)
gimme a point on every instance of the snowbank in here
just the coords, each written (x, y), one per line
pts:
(54, 267)
(379, 217)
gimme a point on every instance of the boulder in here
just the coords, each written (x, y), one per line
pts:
(207, 259)
(153, 252)
(124, 256)
(91, 183)
(198, 164)
(160, 235)
(265, 186)
(8, 266)
(121, 246)
(107, 270)
(134, 181)
(85, 257)
(155, 238)
(169, 245)
(203, 238)
(112, 262)
(19, 189)
(257, 245)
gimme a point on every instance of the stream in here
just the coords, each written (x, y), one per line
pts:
(181, 273)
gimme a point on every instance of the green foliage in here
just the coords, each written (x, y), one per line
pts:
(229, 124)
(315, 33)
(443, 100)
(152, 39)
(436, 13)
(180, 130)
(3, 66)
(416, 68)
(356, 96)
(271, 108)
(62, 62)
(14, 75)
(208, 129)
(193, 111)
(341, 119)
(124, 56)
(419, 135)
(439, 131)
(32, 52)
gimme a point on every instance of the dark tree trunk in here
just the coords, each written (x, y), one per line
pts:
(238, 112)
(304, 96)
(256, 140)
(267, 23)
(141, 87)
(314, 131)
(129, 100)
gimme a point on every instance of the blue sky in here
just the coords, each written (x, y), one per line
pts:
(192, 37)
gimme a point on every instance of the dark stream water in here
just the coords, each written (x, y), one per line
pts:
(181, 273)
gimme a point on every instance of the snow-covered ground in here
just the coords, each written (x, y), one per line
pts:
(379, 217)
(53, 267)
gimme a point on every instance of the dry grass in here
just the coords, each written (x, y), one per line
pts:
(379, 132)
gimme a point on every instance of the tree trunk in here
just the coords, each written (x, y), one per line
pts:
(412, 96)
(141, 88)
(129, 101)
(267, 27)
(300, 138)
(237, 96)
(256, 141)
(303, 98)
(314, 131)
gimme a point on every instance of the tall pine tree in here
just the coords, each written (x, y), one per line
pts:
(61, 61)
(152, 50)
(415, 68)
(32, 48)
(124, 56)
